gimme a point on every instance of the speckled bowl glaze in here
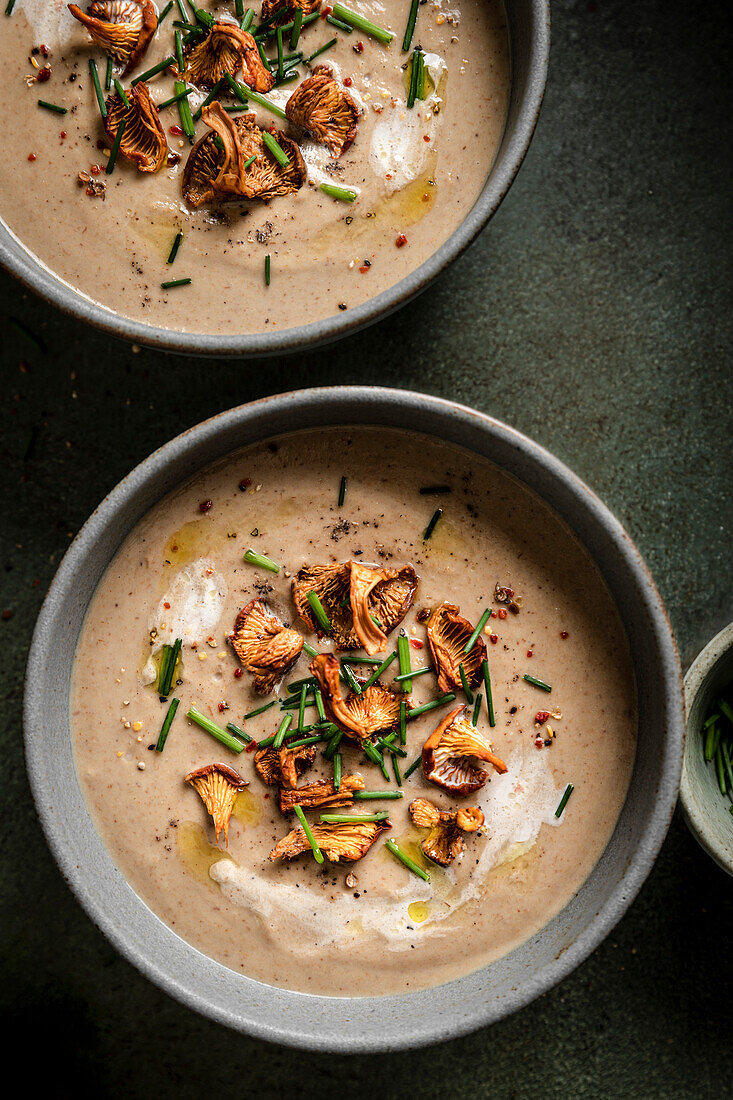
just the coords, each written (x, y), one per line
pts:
(706, 810)
(337, 1023)
(529, 32)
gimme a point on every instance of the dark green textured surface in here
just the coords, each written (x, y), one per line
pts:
(594, 314)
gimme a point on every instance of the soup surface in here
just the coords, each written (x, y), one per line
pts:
(371, 926)
(416, 172)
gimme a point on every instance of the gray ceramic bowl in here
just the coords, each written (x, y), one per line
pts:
(342, 1024)
(529, 32)
(706, 810)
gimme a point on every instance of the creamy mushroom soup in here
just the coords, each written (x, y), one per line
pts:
(385, 150)
(347, 562)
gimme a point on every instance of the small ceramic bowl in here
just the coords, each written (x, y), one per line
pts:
(354, 1024)
(706, 810)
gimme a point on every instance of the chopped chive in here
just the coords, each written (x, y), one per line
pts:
(396, 770)
(319, 704)
(711, 742)
(164, 64)
(97, 87)
(362, 24)
(294, 701)
(250, 160)
(282, 730)
(361, 819)
(301, 706)
(387, 745)
(221, 735)
(537, 683)
(313, 740)
(343, 194)
(239, 733)
(726, 709)
(317, 608)
(272, 18)
(403, 721)
(209, 99)
(363, 660)
(477, 632)
(317, 853)
(297, 24)
(172, 283)
(268, 32)
(248, 19)
(259, 710)
(375, 796)
(403, 652)
(378, 671)
(164, 14)
(336, 772)
(52, 107)
(431, 526)
(404, 858)
(237, 88)
(417, 77)
(168, 664)
(340, 24)
(413, 766)
(296, 685)
(434, 490)
(184, 111)
(260, 560)
(108, 75)
(9, 7)
(174, 247)
(182, 10)
(476, 710)
(263, 56)
(309, 650)
(351, 679)
(169, 716)
(175, 99)
(447, 698)
(276, 149)
(564, 800)
(333, 744)
(257, 98)
(342, 484)
(489, 693)
(376, 757)
(720, 771)
(239, 8)
(280, 53)
(320, 50)
(410, 29)
(267, 269)
(728, 765)
(464, 682)
(121, 92)
(115, 147)
(412, 675)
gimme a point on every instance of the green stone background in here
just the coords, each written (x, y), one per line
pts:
(594, 314)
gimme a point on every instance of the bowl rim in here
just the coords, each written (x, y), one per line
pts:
(35, 276)
(437, 1027)
(695, 681)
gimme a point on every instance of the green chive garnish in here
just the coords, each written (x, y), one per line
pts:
(170, 715)
(340, 24)
(239, 733)
(164, 64)
(317, 853)
(121, 92)
(168, 664)
(301, 707)
(267, 269)
(276, 149)
(295, 685)
(403, 722)
(489, 693)
(375, 796)
(10, 6)
(333, 745)
(476, 710)
(417, 77)
(175, 99)
(362, 24)
(410, 29)
(537, 683)
(564, 800)
(165, 12)
(172, 283)
(209, 99)
(53, 107)
(115, 147)
(240, 92)
(412, 675)
(174, 247)
(413, 766)
(343, 194)
(336, 772)
(431, 526)
(297, 24)
(97, 87)
(309, 650)
(318, 612)
(344, 819)
(282, 730)
(257, 98)
(378, 671)
(239, 8)
(280, 53)
(464, 683)
(351, 679)
(342, 485)
(479, 627)
(320, 50)
(376, 757)
(184, 111)
(404, 858)
(248, 19)
(179, 53)
(403, 653)
(232, 743)
(108, 75)
(319, 704)
(260, 560)
(447, 698)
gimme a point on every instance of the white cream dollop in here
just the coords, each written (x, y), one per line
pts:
(398, 151)
(190, 609)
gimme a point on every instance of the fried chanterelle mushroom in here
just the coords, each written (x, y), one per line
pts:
(123, 28)
(326, 110)
(264, 645)
(358, 715)
(445, 840)
(450, 753)
(337, 842)
(223, 52)
(217, 173)
(363, 603)
(321, 794)
(271, 7)
(448, 634)
(282, 767)
(218, 785)
(143, 141)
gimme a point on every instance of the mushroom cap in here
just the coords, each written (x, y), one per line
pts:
(449, 753)
(358, 715)
(124, 28)
(264, 645)
(325, 109)
(143, 141)
(448, 634)
(338, 842)
(282, 767)
(223, 52)
(218, 174)
(445, 840)
(353, 596)
(322, 793)
(269, 7)
(218, 785)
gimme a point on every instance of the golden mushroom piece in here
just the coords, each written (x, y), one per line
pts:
(321, 794)
(326, 110)
(359, 715)
(282, 767)
(223, 52)
(217, 173)
(218, 785)
(124, 28)
(265, 646)
(337, 842)
(450, 753)
(271, 7)
(447, 828)
(448, 633)
(363, 603)
(143, 141)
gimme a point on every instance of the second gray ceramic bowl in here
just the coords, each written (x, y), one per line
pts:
(338, 1023)
(529, 34)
